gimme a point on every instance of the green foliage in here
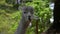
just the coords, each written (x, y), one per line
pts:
(43, 12)
(10, 17)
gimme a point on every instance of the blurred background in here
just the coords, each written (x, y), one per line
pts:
(10, 16)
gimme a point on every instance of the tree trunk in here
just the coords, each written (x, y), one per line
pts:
(55, 28)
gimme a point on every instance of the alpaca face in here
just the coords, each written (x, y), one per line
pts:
(28, 13)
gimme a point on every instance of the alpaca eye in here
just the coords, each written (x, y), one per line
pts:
(25, 12)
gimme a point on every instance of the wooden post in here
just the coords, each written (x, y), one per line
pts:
(37, 20)
(36, 26)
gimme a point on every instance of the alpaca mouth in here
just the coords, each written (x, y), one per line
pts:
(29, 18)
